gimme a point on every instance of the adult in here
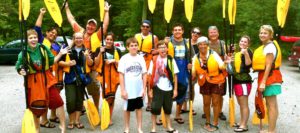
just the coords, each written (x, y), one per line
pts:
(242, 81)
(147, 49)
(49, 42)
(91, 41)
(179, 50)
(218, 46)
(267, 61)
(207, 66)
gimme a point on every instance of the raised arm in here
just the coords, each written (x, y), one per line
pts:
(39, 21)
(71, 18)
(106, 20)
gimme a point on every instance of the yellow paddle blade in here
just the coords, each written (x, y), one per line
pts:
(224, 8)
(25, 8)
(20, 10)
(151, 5)
(101, 7)
(92, 113)
(67, 69)
(28, 125)
(189, 8)
(54, 11)
(233, 11)
(282, 10)
(230, 5)
(191, 125)
(231, 112)
(105, 115)
(163, 118)
(256, 120)
(168, 10)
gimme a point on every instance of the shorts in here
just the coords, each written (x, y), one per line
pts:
(94, 87)
(161, 99)
(209, 88)
(55, 99)
(133, 104)
(181, 93)
(74, 97)
(272, 90)
(242, 89)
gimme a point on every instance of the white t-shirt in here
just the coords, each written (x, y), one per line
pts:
(270, 48)
(133, 68)
(163, 82)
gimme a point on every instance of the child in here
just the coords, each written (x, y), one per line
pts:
(39, 60)
(133, 77)
(163, 70)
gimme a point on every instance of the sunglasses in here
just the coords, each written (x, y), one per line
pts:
(194, 32)
(144, 26)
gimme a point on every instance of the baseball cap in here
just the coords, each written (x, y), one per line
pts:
(146, 22)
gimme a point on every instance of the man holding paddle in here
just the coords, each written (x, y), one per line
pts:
(91, 40)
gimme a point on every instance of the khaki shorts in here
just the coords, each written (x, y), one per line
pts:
(94, 87)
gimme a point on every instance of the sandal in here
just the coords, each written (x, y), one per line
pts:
(173, 131)
(179, 120)
(235, 125)
(184, 111)
(70, 126)
(210, 127)
(148, 108)
(48, 124)
(194, 113)
(241, 129)
(79, 125)
(56, 120)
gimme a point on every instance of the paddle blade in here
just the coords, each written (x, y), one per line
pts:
(67, 69)
(54, 11)
(231, 112)
(168, 10)
(105, 115)
(224, 8)
(92, 113)
(151, 5)
(189, 8)
(25, 8)
(191, 125)
(28, 125)
(231, 11)
(101, 7)
(282, 10)
(163, 118)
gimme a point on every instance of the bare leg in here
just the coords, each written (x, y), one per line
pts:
(37, 123)
(273, 112)
(206, 106)
(53, 114)
(139, 120)
(244, 109)
(111, 109)
(44, 117)
(126, 120)
(153, 118)
(178, 109)
(216, 100)
(62, 118)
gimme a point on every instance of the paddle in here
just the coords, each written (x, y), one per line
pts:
(224, 24)
(91, 111)
(231, 16)
(28, 125)
(105, 112)
(189, 7)
(282, 10)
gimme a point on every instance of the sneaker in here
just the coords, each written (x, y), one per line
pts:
(222, 116)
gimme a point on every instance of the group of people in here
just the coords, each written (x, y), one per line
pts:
(158, 69)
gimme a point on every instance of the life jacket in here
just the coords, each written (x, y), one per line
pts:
(213, 73)
(259, 59)
(95, 42)
(116, 57)
(67, 68)
(45, 60)
(169, 69)
(238, 66)
(145, 44)
(171, 49)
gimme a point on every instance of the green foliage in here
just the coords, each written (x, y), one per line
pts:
(126, 16)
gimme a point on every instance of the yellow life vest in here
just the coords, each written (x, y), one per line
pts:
(95, 42)
(259, 59)
(145, 45)
(44, 54)
(212, 65)
(171, 50)
(47, 43)
(237, 62)
(67, 68)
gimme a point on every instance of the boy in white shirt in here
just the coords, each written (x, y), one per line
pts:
(163, 71)
(133, 77)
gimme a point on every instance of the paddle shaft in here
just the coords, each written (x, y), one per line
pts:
(152, 30)
(103, 61)
(61, 29)
(190, 51)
